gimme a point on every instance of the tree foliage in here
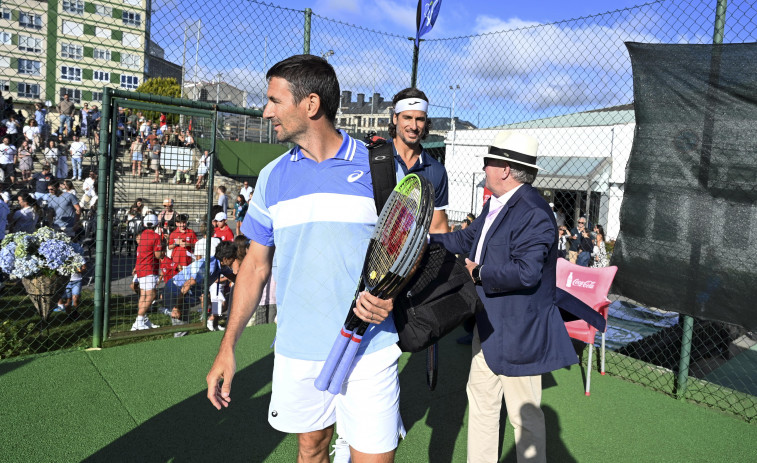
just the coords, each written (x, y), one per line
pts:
(163, 86)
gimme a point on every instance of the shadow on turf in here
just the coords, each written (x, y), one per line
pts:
(195, 431)
(445, 408)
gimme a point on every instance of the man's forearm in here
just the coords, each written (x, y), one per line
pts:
(251, 280)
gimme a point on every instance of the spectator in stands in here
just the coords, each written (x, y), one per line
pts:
(181, 242)
(246, 191)
(240, 210)
(40, 117)
(51, 156)
(575, 240)
(67, 109)
(62, 209)
(563, 243)
(202, 243)
(137, 146)
(149, 253)
(89, 199)
(26, 218)
(145, 130)
(184, 289)
(585, 248)
(222, 230)
(83, 118)
(94, 123)
(155, 163)
(63, 151)
(25, 163)
(41, 181)
(167, 217)
(189, 140)
(223, 200)
(32, 136)
(13, 129)
(8, 161)
(131, 124)
(202, 169)
(72, 295)
(67, 186)
(77, 149)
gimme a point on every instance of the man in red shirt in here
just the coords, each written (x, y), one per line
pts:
(222, 231)
(182, 241)
(149, 253)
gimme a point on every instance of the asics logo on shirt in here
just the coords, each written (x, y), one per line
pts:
(355, 175)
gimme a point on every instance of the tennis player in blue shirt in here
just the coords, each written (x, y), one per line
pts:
(314, 208)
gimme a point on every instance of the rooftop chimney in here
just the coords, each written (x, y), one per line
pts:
(361, 99)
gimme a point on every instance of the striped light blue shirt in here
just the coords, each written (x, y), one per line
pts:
(320, 217)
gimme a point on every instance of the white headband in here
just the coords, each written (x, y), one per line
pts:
(408, 104)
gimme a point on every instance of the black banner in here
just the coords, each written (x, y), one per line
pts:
(688, 222)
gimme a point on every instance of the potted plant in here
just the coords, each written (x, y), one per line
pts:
(43, 261)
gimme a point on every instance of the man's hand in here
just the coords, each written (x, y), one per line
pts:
(219, 379)
(371, 309)
(470, 265)
(187, 285)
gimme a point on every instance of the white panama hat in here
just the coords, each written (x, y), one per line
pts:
(513, 146)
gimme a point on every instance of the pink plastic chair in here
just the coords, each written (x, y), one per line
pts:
(591, 286)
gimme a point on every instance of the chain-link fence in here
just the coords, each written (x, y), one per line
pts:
(567, 83)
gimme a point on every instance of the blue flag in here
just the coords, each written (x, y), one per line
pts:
(425, 18)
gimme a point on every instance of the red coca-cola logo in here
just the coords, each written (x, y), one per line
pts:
(588, 284)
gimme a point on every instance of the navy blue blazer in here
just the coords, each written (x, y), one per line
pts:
(521, 330)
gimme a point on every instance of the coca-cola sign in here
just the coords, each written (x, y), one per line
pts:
(588, 284)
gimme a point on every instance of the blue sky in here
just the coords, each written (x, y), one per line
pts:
(457, 17)
(513, 60)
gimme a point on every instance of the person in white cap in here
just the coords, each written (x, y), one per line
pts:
(409, 125)
(147, 268)
(222, 231)
(512, 258)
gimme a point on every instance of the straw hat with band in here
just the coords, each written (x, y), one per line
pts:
(514, 147)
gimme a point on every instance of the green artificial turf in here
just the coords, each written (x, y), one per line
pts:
(147, 402)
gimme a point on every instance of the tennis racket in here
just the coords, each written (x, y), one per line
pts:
(395, 245)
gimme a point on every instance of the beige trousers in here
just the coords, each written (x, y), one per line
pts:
(522, 396)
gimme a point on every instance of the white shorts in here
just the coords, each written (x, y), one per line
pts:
(366, 411)
(148, 283)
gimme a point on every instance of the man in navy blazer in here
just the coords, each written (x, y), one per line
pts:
(512, 256)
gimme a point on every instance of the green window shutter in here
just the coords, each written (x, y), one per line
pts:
(89, 29)
(115, 78)
(14, 39)
(115, 56)
(14, 63)
(86, 74)
(89, 7)
(15, 14)
(14, 86)
(117, 13)
(86, 95)
(89, 51)
(116, 35)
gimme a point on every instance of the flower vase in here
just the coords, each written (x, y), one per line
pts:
(44, 290)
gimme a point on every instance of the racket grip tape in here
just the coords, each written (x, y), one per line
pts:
(345, 364)
(337, 350)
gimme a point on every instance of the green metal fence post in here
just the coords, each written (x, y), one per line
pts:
(97, 326)
(208, 220)
(308, 17)
(414, 74)
(109, 216)
(688, 321)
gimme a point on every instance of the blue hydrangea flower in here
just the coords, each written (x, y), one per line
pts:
(8, 257)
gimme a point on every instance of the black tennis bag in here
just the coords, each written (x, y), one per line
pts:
(436, 300)
(441, 295)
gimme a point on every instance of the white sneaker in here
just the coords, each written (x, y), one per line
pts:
(210, 325)
(341, 451)
(145, 325)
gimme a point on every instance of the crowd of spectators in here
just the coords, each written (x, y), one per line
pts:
(167, 248)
